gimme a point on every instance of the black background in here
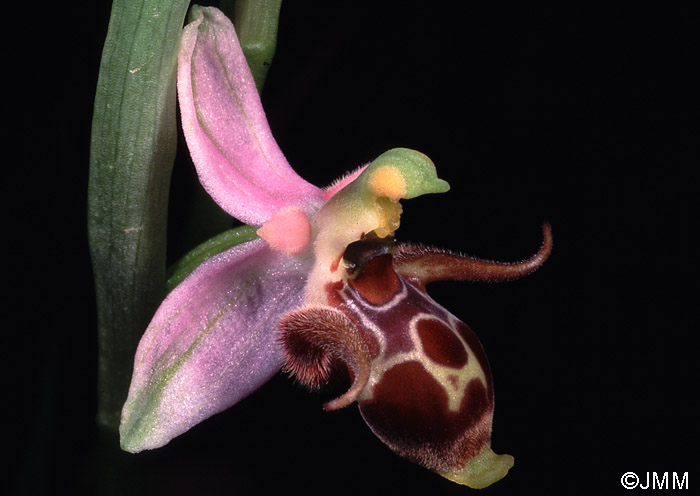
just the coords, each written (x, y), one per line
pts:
(585, 117)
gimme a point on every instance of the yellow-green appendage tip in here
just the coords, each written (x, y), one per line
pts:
(483, 470)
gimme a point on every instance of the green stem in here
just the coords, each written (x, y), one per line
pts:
(132, 152)
(256, 24)
(227, 239)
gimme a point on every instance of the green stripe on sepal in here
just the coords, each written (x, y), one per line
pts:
(213, 246)
(141, 411)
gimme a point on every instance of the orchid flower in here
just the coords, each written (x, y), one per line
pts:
(323, 289)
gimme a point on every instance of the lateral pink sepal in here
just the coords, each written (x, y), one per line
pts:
(228, 136)
(211, 343)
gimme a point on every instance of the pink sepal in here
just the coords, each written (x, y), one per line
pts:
(228, 136)
(211, 343)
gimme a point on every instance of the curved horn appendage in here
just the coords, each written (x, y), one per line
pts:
(430, 264)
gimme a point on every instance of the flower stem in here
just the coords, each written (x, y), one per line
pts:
(217, 244)
(256, 24)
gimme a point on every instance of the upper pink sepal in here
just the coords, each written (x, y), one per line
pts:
(228, 136)
(211, 343)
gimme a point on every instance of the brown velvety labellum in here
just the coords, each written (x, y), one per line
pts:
(409, 412)
(429, 395)
(440, 344)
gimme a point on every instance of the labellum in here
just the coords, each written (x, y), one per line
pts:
(420, 375)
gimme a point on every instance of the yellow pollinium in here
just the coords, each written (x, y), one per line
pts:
(389, 216)
(387, 181)
(388, 186)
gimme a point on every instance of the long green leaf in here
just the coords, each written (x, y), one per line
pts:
(132, 152)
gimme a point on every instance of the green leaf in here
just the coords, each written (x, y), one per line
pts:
(132, 152)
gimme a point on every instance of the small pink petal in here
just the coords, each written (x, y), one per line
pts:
(288, 231)
(341, 182)
(228, 136)
(212, 342)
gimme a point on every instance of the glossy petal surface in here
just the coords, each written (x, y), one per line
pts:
(229, 139)
(211, 343)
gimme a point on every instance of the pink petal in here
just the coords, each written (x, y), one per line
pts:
(237, 158)
(341, 182)
(288, 231)
(212, 342)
